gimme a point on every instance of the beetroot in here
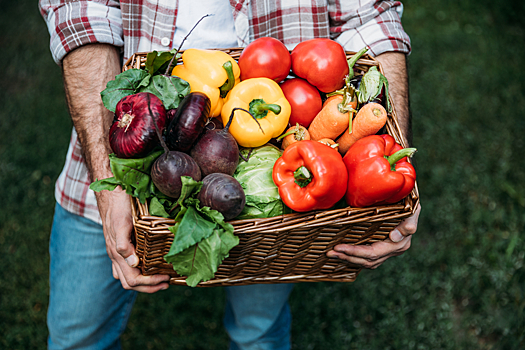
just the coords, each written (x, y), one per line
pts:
(167, 170)
(216, 151)
(224, 194)
(188, 122)
(132, 134)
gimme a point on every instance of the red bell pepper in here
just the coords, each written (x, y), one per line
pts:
(310, 176)
(378, 171)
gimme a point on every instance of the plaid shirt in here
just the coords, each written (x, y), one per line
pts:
(147, 25)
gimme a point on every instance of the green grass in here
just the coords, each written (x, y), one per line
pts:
(460, 286)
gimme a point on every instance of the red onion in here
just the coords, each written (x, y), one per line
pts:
(133, 133)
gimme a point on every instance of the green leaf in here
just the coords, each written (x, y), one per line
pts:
(105, 184)
(158, 61)
(189, 188)
(192, 229)
(124, 84)
(156, 208)
(171, 90)
(133, 175)
(200, 262)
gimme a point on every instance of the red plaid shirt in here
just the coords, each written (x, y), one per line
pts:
(147, 25)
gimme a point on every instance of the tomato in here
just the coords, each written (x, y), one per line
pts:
(265, 57)
(322, 62)
(305, 100)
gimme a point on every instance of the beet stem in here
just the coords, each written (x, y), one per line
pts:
(244, 110)
(183, 40)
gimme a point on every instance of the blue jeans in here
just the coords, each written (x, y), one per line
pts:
(89, 309)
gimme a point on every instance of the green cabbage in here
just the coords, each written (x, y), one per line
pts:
(255, 177)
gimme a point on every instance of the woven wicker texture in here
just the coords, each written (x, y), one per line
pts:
(283, 249)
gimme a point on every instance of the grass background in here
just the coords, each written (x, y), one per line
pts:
(460, 286)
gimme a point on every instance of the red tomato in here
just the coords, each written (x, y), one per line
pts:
(322, 62)
(265, 57)
(305, 100)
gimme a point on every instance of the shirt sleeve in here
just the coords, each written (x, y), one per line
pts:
(376, 25)
(72, 24)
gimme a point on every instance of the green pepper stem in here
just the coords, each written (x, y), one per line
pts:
(402, 153)
(259, 108)
(262, 107)
(302, 176)
(230, 82)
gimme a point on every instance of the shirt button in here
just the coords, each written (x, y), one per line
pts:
(165, 41)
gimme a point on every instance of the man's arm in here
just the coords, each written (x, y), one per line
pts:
(372, 256)
(395, 68)
(86, 70)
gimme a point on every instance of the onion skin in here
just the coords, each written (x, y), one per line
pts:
(133, 134)
(223, 193)
(167, 170)
(189, 122)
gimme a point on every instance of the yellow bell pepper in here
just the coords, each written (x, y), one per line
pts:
(211, 72)
(265, 100)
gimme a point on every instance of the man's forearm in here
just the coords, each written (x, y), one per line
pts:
(86, 71)
(395, 69)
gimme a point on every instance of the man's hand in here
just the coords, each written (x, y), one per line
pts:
(373, 255)
(115, 210)
(86, 71)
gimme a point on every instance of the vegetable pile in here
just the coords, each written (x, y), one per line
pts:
(212, 139)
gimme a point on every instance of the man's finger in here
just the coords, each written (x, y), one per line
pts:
(406, 227)
(131, 279)
(369, 256)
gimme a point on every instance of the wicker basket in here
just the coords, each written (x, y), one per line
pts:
(283, 249)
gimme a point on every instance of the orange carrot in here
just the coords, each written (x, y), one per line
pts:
(369, 120)
(294, 134)
(330, 98)
(332, 120)
(330, 143)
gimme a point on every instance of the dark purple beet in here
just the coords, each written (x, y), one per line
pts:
(167, 170)
(189, 122)
(224, 194)
(217, 151)
(133, 134)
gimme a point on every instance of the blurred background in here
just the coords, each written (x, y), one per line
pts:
(460, 286)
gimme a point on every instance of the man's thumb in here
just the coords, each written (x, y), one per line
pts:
(127, 251)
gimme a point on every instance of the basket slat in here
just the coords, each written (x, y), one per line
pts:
(286, 249)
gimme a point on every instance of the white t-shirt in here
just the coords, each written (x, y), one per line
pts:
(216, 31)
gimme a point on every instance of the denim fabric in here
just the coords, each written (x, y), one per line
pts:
(258, 317)
(89, 309)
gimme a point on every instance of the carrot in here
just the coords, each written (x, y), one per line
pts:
(369, 120)
(294, 134)
(330, 143)
(329, 99)
(332, 120)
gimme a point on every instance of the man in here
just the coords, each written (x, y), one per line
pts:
(90, 39)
